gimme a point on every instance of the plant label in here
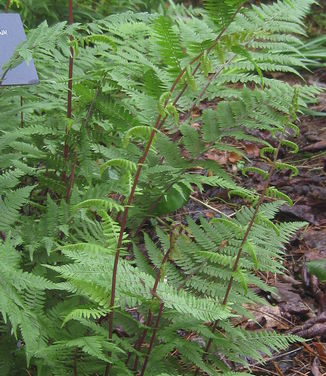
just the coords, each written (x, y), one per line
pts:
(11, 35)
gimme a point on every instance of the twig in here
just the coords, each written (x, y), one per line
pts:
(280, 319)
(265, 370)
(211, 207)
(278, 369)
(277, 356)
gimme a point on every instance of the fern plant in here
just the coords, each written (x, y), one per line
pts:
(90, 285)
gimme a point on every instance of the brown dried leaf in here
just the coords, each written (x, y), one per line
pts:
(217, 156)
(195, 113)
(267, 317)
(320, 350)
(234, 157)
(252, 150)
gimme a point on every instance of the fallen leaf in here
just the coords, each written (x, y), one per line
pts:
(267, 317)
(234, 157)
(217, 156)
(195, 112)
(321, 350)
(252, 150)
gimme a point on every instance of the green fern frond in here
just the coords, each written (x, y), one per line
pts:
(221, 12)
(10, 206)
(168, 43)
(84, 313)
(98, 204)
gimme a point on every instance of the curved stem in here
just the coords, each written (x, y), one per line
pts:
(156, 202)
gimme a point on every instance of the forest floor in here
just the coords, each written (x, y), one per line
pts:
(300, 305)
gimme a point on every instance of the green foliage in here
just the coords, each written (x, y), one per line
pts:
(221, 12)
(318, 268)
(62, 215)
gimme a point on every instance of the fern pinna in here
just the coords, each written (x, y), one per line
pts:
(92, 285)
